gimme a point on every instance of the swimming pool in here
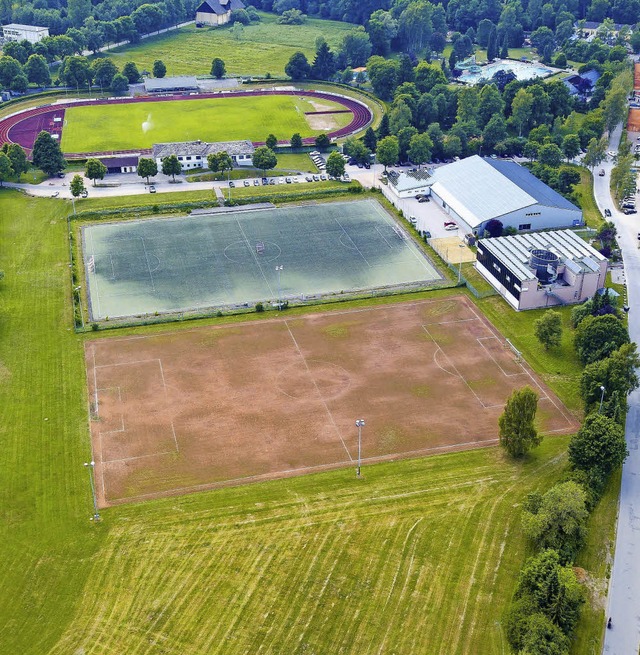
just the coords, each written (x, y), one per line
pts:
(523, 71)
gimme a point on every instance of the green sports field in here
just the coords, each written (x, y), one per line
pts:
(179, 264)
(97, 128)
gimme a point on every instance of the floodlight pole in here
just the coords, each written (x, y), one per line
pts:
(278, 270)
(602, 389)
(359, 425)
(90, 466)
(228, 179)
(460, 264)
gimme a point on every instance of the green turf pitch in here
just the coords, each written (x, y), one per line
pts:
(179, 264)
(97, 128)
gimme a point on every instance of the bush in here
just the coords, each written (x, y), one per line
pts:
(259, 307)
(598, 336)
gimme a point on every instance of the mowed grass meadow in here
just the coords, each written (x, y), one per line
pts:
(419, 556)
(264, 47)
(141, 124)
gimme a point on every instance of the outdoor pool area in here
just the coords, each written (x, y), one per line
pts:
(523, 70)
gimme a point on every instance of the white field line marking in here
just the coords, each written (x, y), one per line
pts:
(173, 430)
(315, 384)
(495, 361)
(95, 277)
(255, 258)
(438, 364)
(458, 320)
(164, 384)
(352, 241)
(146, 259)
(137, 361)
(383, 237)
(121, 429)
(131, 459)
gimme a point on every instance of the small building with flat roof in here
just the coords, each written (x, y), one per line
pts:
(545, 269)
(170, 84)
(193, 154)
(120, 163)
(410, 183)
(31, 33)
(476, 190)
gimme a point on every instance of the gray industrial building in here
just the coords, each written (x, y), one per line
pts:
(545, 269)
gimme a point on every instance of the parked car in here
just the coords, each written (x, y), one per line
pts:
(55, 194)
(60, 174)
(287, 180)
(425, 199)
(601, 172)
(367, 165)
(256, 182)
(152, 189)
(323, 178)
(232, 185)
(346, 178)
(630, 210)
(450, 225)
(418, 196)
(413, 220)
(246, 183)
(272, 181)
(308, 178)
(316, 178)
(607, 212)
(84, 194)
(265, 181)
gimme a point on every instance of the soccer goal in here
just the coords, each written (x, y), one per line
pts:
(260, 247)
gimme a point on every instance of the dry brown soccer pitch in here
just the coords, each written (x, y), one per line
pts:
(190, 410)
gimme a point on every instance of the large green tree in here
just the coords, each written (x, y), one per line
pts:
(218, 68)
(219, 162)
(18, 158)
(159, 68)
(147, 167)
(517, 430)
(95, 170)
(335, 164)
(298, 67)
(37, 71)
(130, 71)
(6, 171)
(598, 336)
(76, 186)
(420, 148)
(47, 155)
(548, 329)
(388, 151)
(171, 166)
(264, 158)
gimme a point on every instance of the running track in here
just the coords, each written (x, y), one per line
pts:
(23, 128)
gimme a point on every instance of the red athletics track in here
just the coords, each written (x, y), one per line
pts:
(23, 128)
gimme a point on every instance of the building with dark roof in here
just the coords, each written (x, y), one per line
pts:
(476, 190)
(410, 183)
(120, 163)
(193, 154)
(582, 85)
(216, 12)
(545, 269)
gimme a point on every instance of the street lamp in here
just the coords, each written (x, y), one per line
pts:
(279, 269)
(359, 425)
(601, 398)
(90, 466)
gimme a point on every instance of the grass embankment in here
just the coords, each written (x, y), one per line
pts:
(264, 47)
(584, 192)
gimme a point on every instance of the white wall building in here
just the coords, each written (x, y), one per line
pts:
(193, 154)
(31, 33)
(216, 12)
(409, 184)
(475, 190)
(545, 269)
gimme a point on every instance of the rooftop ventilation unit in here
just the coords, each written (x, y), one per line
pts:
(545, 265)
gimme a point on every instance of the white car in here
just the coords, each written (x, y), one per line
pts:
(612, 154)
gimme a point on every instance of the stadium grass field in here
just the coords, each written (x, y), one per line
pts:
(264, 47)
(230, 259)
(171, 574)
(140, 125)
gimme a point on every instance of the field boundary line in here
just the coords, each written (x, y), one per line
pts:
(315, 384)
(146, 259)
(352, 241)
(136, 457)
(507, 375)
(255, 257)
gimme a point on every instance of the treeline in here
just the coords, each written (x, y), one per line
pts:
(548, 596)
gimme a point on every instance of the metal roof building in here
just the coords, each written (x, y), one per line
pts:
(166, 84)
(543, 269)
(476, 190)
(193, 154)
(18, 32)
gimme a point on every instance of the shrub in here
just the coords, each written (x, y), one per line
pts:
(259, 307)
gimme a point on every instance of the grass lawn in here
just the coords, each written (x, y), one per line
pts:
(140, 125)
(419, 556)
(584, 191)
(265, 47)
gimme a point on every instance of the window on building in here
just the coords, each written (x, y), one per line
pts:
(533, 214)
(188, 158)
(525, 226)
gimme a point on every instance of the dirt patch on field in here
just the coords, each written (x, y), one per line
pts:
(322, 121)
(190, 410)
(633, 123)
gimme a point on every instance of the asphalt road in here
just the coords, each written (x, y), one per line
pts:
(623, 603)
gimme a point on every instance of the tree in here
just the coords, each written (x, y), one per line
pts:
(147, 167)
(75, 72)
(237, 31)
(356, 47)
(357, 150)
(18, 159)
(103, 72)
(548, 329)
(6, 171)
(218, 69)
(296, 141)
(335, 165)
(543, 637)
(159, 69)
(95, 170)
(19, 83)
(382, 28)
(37, 71)
(491, 104)
(291, 17)
(388, 151)
(219, 162)
(571, 146)
(264, 158)
(120, 84)
(494, 132)
(521, 110)
(383, 75)
(298, 67)
(550, 155)
(598, 448)
(517, 430)
(324, 65)
(494, 228)
(492, 44)
(598, 337)
(171, 166)
(596, 153)
(557, 519)
(272, 141)
(77, 186)
(370, 139)
(10, 68)
(322, 142)
(420, 148)
(130, 71)
(383, 128)
(47, 155)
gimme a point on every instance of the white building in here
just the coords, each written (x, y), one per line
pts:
(31, 33)
(409, 184)
(476, 190)
(216, 12)
(545, 269)
(193, 154)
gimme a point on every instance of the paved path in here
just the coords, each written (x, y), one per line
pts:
(623, 603)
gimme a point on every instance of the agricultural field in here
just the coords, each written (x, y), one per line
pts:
(140, 125)
(418, 556)
(190, 50)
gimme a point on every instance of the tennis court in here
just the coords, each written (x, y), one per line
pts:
(244, 257)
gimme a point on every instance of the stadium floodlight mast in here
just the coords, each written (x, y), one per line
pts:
(602, 389)
(359, 425)
(279, 269)
(90, 466)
